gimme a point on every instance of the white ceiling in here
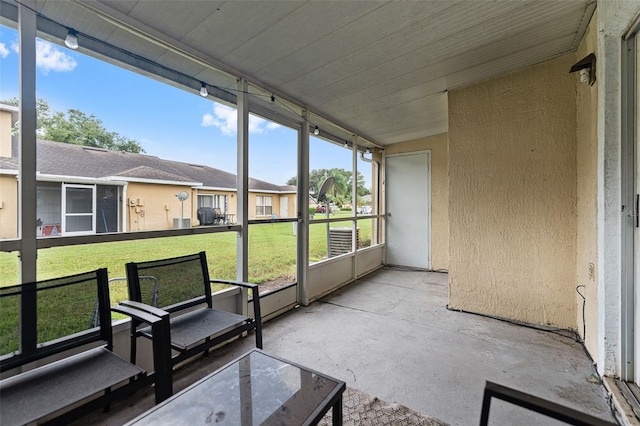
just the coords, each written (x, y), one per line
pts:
(379, 69)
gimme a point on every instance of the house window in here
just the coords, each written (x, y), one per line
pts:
(213, 201)
(264, 205)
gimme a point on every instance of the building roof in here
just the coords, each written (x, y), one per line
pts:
(77, 161)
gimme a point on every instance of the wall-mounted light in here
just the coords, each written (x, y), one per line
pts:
(587, 68)
(368, 151)
(203, 90)
(71, 41)
(316, 131)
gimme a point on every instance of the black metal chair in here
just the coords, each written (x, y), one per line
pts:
(183, 289)
(219, 217)
(55, 322)
(534, 403)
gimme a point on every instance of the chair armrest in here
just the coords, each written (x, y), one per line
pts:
(161, 342)
(144, 307)
(238, 283)
(138, 314)
(257, 313)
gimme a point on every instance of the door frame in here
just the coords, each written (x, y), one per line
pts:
(630, 293)
(64, 209)
(428, 199)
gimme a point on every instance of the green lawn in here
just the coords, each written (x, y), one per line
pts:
(272, 253)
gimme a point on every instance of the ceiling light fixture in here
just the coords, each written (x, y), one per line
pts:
(316, 131)
(71, 41)
(203, 90)
(346, 144)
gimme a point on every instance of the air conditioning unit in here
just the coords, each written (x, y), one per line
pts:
(340, 240)
(186, 222)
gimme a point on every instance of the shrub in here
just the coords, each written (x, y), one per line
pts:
(312, 211)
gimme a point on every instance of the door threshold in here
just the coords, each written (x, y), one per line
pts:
(625, 400)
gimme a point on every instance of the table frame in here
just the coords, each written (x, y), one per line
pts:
(332, 401)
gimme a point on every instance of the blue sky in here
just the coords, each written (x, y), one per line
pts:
(168, 122)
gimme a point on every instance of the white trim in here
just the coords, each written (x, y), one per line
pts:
(266, 191)
(9, 172)
(79, 180)
(157, 181)
(613, 20)
(213, 188)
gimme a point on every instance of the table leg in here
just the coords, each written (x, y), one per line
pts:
(337, 412)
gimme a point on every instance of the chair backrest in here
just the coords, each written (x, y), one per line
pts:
(180, 282)
(43, 318)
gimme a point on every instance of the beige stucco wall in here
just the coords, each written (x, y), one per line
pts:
(512, 195)
(5, 133)
(439, 193)
(275, 199)
(587, 188)
(8, 206)
(159, 206)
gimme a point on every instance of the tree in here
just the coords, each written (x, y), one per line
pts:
(340, 192)
(77, 128)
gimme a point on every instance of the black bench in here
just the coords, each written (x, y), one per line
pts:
(181, 287)
(68, 319)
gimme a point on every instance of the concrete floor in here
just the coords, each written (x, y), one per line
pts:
(390, 335)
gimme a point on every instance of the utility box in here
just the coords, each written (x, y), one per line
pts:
(186, 222)
(340, 240)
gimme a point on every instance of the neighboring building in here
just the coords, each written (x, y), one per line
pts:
(84, 190)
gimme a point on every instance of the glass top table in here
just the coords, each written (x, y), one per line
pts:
(255, 389)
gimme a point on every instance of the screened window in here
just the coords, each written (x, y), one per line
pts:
(49, 204)
(264, 205)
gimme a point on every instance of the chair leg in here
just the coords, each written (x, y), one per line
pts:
(133, 345)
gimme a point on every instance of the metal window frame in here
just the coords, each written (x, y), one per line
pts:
(628, 188)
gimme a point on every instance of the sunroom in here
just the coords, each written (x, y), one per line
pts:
(498, 142)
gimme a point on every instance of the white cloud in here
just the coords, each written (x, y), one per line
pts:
(4, 52)
(208, 120)
(226, 119)
(50, 58)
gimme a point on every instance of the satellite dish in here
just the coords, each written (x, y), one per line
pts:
(326, 185)
(182, 195)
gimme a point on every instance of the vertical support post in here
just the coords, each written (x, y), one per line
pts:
(302, 262)
(627, 166)
(27, 181)
(242, 185)
(375, 199)
(354, 204)
(27, 178)
(381, 199)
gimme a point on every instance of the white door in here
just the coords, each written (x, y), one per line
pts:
(407, 190)
(78, 207)
(284, 207)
